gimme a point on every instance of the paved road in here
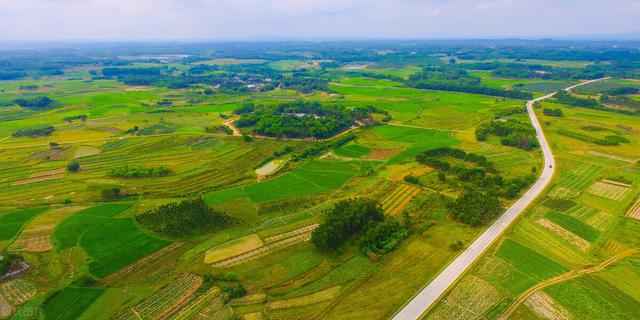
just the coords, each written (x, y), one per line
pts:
(421, 303)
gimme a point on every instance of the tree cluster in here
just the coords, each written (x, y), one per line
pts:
(475, 208)
(557, 112)
(37, 103)
(483, 176)
(301, 119)
(364, 217)
(514, 133)
(138, 172)
(185, 219)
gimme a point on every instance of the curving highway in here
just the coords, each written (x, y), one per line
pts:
(429, 295)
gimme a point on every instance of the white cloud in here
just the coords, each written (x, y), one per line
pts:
(258, 19)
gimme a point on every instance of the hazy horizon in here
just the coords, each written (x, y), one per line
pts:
(275, 20)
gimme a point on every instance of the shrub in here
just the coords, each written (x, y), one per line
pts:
(74, 166)
(110, 193)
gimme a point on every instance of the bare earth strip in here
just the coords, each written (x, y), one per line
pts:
(431, 293)
(609, 191)
(564, 234)
(35, 236)
(262, 251)
(313, 298)
(41, 176)
(545, 307)
(611, 156)
(561, 278)
(634, 211)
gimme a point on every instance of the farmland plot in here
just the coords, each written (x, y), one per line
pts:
(608, 190)
(35, 236)
(634, 211)
(564, 234)
(70, 302)
(165, 301)
(12, 222)
(210, 299)
(18, 291)
(116, 244)
(545, 307)
(399, 198)
(600, 220)
(252, 246)
(41, 176)
(559, 204)
(469, 300)
(321, 296)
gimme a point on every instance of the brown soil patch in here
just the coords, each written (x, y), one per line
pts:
(41, 176)
(35, 236)
(545, 307)
(383, 154)
(321, 296)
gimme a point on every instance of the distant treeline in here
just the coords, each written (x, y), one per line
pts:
(455, 78)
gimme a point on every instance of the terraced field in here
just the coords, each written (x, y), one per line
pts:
(166, 301)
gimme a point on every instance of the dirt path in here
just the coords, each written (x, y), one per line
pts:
(231, 125)
(561, 278)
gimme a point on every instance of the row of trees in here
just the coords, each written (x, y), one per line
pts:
(513, 132)
(34, 132)
(359, 217)
(37, 103)
(138, 172)
(557, 112)
(185, 219)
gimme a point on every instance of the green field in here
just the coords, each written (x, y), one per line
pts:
(70, 302)
(12, 222)
(71, 229)
(116, 244)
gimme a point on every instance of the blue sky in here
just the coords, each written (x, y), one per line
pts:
(321, 19)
